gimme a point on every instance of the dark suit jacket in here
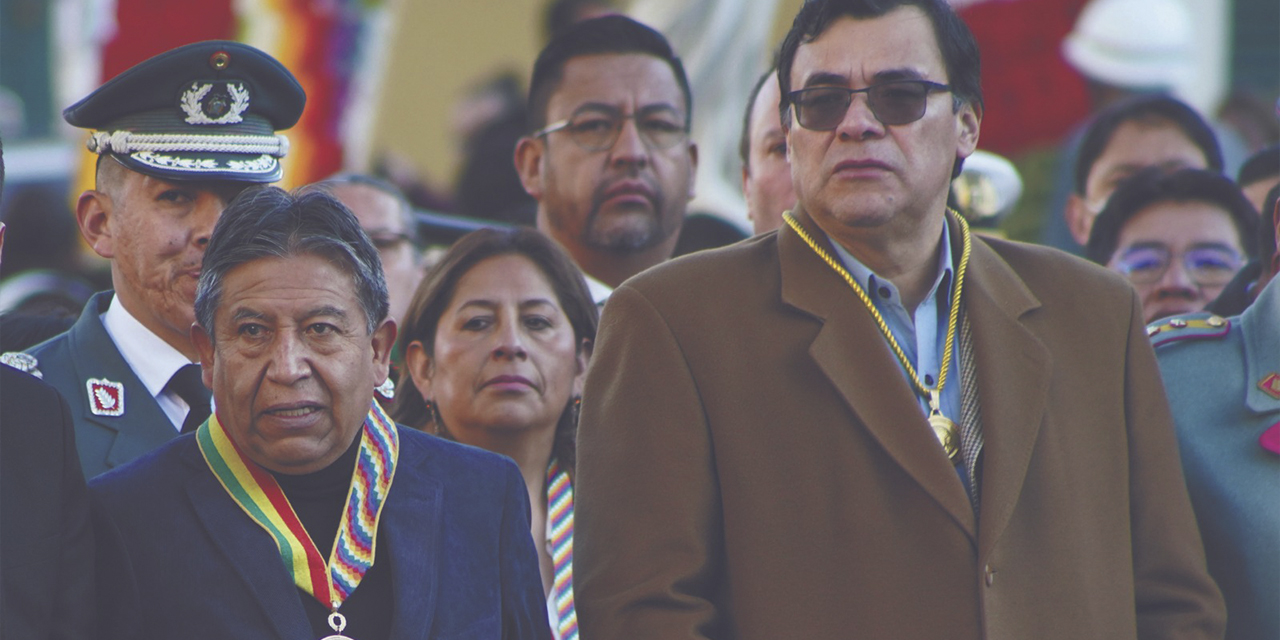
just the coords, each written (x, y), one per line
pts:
(179, 559)
(46, 543)
(86, 351)
(753, 464)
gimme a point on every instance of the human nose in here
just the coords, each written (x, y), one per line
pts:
(859, 122)
(1176, 277)
(509, 342)
(629, 147)
(288, 360)
(208, 210)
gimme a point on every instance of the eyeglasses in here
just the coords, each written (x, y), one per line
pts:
(1206, 265)
(597, 130)
(896, 102)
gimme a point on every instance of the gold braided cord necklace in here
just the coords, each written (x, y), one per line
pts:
(943, 428)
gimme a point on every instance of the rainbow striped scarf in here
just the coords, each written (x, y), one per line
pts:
(256, 491)
(560, 515)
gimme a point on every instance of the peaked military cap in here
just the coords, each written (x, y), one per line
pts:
(203, 111)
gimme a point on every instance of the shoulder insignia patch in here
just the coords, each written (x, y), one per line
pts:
(106, 398)
(22, 362)
(1197, 326)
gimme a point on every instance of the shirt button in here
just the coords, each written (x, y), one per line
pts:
(990, 575)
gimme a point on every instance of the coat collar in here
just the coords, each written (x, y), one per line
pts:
(410, 527)
(144, 426)
(1012, 364)
(1261, 346)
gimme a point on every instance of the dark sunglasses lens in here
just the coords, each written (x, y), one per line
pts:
(898, 102)
(822, 109)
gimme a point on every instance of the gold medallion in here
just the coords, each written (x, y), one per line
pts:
(947, 433)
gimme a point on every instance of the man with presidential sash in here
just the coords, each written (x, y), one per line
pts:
(299, 509)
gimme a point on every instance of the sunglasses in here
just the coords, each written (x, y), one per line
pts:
(597, 130)
(896, 102)
(1206, 266)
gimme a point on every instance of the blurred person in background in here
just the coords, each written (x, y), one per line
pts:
(1178, 237)
(1258, 175)
(496, 346)
(1148, 131)
(1253, 276)
(609, 158)
(1223, 379)
(766, 174)
(46, 559)
(164, 174)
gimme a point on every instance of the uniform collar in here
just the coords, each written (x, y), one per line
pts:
(152, 359)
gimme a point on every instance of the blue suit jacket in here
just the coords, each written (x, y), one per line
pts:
(179, 559)
(1220, 411)
(86, 351)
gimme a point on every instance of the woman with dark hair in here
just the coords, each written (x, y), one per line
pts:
(496, 344)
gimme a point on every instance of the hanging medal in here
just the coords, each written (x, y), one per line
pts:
(256, 492)
(944, 428)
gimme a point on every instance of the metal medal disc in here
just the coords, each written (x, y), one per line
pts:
(338, 622)
(946, 431)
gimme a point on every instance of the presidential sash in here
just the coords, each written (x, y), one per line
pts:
(260, 496)
(560, 515)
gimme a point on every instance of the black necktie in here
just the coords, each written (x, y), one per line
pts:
(188, 385)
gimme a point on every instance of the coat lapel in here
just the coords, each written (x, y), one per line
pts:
(143, 426)
(857, 360)
(249, 550)
(411, 521)
(1013, 370)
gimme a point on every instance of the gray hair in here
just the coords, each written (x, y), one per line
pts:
(403, 205)
(272, 223)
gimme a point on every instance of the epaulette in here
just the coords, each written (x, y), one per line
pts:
(22, 362)
(1192, 326)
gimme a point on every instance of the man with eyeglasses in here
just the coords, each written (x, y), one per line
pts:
(1179, 238)
(871, 422)
(609, 160)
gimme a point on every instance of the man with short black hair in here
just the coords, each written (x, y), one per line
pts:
(1147, 131)
(1179, 237)
(875, 423)
(766, 174)
(609, 158)
(177, 137)
(300, 510)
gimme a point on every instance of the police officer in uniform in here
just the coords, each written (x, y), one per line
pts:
(1223, 379)
(177, 137)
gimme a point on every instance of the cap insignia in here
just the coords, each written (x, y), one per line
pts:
(1271, 385)
(203, 105)
(22, 362)
(106, 398)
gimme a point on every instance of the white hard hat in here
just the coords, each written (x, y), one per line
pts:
(1132, 43)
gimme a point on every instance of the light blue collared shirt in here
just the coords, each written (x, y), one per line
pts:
(922, 334)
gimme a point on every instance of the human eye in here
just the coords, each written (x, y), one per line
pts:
(251, 330)
(175, 196)
(537, 322)
(900, 92)
(476, 323)
(778, 148)
(322, 329)
(592, 124)
(1142, 261)
(823, 98)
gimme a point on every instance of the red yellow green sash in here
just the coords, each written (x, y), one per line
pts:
(256, 491)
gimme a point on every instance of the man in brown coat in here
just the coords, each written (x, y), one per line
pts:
(870, 423)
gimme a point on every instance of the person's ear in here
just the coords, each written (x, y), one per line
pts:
(94, 210)
(383, 338)
(1079, 218)
(528, 159)
(204, 347)
(968, 125)
(583, 358)
(420, 367)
